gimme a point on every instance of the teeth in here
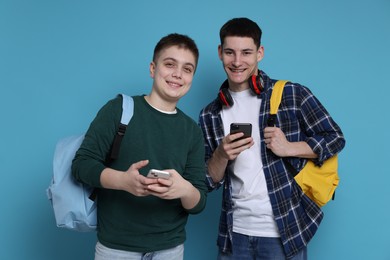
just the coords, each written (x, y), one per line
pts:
(174, 84)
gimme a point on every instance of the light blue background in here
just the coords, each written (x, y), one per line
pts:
(60, 61)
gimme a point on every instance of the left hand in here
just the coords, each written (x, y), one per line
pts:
(173, 188)
(276, 141)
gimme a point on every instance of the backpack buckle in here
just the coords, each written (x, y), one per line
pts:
(271, 121)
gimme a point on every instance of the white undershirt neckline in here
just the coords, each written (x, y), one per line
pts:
(165, 112)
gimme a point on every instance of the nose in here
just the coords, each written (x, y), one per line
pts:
(177, 73)
(237, 60)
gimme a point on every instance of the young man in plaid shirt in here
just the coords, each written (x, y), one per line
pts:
(265, 214)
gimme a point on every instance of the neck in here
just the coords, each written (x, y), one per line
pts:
(160, 104)
(238, 87)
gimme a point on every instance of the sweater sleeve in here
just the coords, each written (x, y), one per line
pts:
(196, 171)
(89, 161)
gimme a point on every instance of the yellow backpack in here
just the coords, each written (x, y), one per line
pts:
(318, 183)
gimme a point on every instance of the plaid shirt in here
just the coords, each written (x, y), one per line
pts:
(301, 117)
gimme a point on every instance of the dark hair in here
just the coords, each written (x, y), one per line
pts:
(241, 27)
(179, 40)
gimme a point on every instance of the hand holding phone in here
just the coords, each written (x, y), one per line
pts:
(245, 128)
(153, 173)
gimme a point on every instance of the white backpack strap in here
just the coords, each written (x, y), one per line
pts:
(127, 113)
(127, 109)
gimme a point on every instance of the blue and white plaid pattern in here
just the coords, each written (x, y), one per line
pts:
(302, 118)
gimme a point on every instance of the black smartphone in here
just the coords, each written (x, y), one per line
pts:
(245, 128)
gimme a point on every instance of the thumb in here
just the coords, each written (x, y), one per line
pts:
(138, 165)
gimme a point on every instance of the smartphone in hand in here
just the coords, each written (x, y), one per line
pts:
(245, 128)
(153, 173)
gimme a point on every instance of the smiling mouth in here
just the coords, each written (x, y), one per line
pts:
(237, 70)
(173, 84)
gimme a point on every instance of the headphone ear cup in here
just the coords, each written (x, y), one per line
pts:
(255, 84)
(225, 98)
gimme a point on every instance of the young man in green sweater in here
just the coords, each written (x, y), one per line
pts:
(141, 217)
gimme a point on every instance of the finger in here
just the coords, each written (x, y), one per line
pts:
(243, 142)
(232, 137)
(144, 192)
(269, 129)
(148, 181)
(157, 188)
(164, 182)
(139, 165)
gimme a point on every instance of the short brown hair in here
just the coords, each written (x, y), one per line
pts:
(179, 40)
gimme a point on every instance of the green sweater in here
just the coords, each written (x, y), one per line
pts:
(168, 141)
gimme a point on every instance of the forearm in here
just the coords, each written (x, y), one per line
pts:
(216, 166)
(191, 197)
(112, 179)
(300, 150)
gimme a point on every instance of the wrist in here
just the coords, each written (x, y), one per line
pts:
(219, 155)
(112, 179)
(190, 197)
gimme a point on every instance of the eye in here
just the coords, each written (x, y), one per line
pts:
(188, 69)
(169, 64)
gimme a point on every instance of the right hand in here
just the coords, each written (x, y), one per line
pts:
(134, 182)
(227, 150)
(230, 148)
(131, 180)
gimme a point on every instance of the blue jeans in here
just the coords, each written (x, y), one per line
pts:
(264, 248)
(105, 253)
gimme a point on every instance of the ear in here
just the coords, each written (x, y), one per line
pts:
(220, 52)
(152, 69)
(260, 53)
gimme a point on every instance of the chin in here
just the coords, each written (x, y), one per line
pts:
(238, 81)
(238, 78)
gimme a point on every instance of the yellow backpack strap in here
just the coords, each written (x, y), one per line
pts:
(276, 97)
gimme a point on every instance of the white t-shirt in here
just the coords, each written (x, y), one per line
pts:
(252, 211)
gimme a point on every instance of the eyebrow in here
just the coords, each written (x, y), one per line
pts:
(175, 60)
(230, 49)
